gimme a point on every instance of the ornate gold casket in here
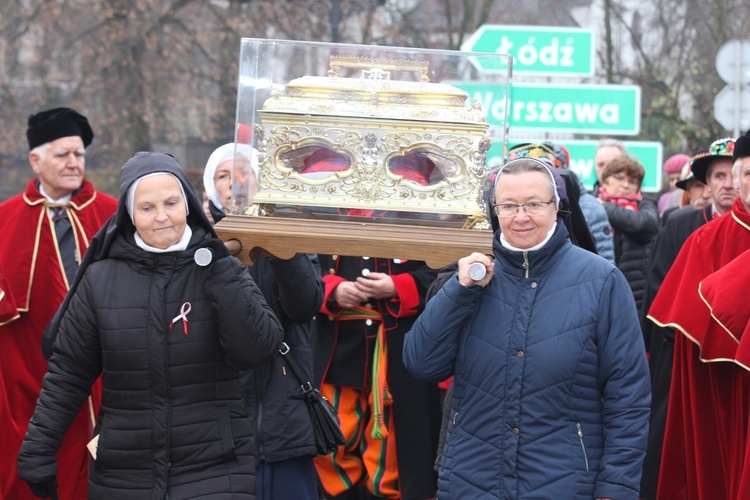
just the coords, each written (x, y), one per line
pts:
(369, 155)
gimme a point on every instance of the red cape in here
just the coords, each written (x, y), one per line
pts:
(8, 309)
(723, 292)
(707, 424)
(678, 303)
(36, 286)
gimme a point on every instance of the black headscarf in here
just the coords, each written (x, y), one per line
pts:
(143, 163)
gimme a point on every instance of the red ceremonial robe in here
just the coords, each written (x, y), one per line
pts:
(8, 309)
(706, 432)
(724, 293)
(36, 286)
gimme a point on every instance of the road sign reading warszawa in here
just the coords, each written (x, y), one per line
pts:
(588, 109)
(536, 50)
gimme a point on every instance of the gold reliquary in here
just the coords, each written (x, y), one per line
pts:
(378, 153)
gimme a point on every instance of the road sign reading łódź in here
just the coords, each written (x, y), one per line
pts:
(582, 159)
(536, 50)
(585, 109)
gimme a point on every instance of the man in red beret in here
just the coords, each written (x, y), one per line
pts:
(45, 232)
(707, 416)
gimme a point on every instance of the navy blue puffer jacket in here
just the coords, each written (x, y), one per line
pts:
(551, 383)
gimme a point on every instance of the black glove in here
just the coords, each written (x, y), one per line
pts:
(46, 488)
(216, 250)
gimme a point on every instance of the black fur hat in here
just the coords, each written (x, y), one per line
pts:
(741, 147)
(46, 126)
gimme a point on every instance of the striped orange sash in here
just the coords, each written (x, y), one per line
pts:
(380, 396)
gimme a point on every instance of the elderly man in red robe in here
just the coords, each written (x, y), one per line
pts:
(707, 417)
(45, 232)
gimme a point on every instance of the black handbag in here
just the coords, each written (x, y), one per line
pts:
(325, 420)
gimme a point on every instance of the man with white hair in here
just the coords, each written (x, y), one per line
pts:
(46, 230)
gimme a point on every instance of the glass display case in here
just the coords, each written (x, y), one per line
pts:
(364, 150)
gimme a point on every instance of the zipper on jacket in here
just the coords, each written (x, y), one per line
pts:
(166, 363)
(526, 264)
(259, 415)
(583, 447)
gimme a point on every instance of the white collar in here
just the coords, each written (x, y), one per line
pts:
(510, 247)
(60, 201)
(177, 247)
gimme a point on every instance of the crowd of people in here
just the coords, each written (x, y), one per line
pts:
(598, 355)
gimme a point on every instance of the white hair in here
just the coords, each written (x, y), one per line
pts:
(612, 143)
(737, 172)
(41, 150)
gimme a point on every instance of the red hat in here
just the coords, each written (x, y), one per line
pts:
(674, 164)
(244, 134)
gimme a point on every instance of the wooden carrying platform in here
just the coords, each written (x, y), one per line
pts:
(250, 237)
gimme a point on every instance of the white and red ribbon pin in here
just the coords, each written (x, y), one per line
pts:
(184, 310)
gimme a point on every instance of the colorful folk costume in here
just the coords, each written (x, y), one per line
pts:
(390, 419)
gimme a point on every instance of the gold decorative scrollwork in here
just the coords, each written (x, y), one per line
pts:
(368, 182)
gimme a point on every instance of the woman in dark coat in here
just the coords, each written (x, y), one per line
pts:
(634, 219)
(169, 338)
(284, 437)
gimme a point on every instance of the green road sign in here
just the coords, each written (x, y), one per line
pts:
(582, 159)
(536, 50)
(583, 109)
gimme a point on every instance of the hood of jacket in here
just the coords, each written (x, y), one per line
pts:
(143, 163)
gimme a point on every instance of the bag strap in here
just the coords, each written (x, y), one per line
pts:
(296, 370)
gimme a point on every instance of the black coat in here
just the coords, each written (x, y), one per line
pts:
(660, 341)
(294, 291)
(172, 420)
(633, 233)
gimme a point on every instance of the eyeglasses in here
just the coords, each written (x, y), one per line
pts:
(222, 178)
(530, 207)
